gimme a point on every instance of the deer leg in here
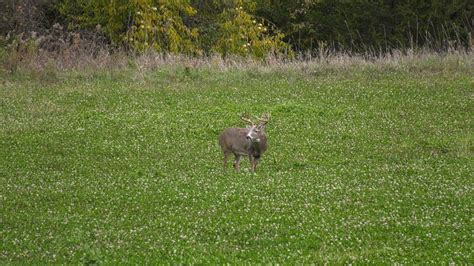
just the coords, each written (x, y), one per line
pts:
(256, 158)
(236, 162)
(254, 164)
(251, 159)
(226, 155)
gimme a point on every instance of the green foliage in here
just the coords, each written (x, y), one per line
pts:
(140, 24)
(254, 28)
(159, 25)
(371, 25)
(112, 17)
(243, 34)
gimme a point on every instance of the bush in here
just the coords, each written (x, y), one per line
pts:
(161, 28)
(243, 34)
(165, 26)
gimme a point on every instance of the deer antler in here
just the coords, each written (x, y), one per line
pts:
(264, 119)
(246, 117)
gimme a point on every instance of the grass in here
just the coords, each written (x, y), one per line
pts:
(367, 163)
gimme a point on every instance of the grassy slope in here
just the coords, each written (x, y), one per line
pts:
(370, 164)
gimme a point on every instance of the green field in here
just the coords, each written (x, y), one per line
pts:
(366, 163)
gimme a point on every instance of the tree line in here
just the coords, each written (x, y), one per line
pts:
(255, 28)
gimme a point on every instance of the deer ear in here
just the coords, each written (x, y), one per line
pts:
(261, 127)
(247, 126)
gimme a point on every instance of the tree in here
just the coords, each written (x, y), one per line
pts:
(243, 34)
(139, 24)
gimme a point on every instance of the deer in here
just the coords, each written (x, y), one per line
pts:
(251, 141)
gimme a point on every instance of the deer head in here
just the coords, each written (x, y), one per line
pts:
(255, 126)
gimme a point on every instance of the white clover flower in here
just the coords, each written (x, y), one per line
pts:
(154, 8)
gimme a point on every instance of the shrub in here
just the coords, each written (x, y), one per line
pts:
(161, 27)
(139, 24)
(243, 34)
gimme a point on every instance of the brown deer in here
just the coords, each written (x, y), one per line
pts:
(250, 141)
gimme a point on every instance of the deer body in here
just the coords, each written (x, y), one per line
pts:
(251, 141)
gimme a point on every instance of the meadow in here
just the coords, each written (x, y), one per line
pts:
(367, 162)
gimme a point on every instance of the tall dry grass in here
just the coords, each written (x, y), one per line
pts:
(59, 50)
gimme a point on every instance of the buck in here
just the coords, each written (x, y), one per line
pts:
(250, 141)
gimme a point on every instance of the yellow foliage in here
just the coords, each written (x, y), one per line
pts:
(158, 25)
(243, 34)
